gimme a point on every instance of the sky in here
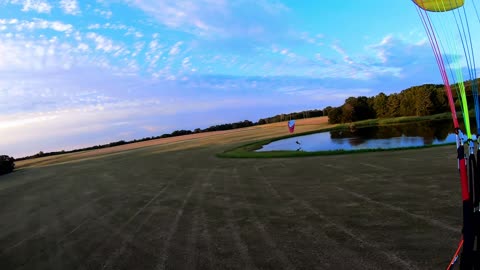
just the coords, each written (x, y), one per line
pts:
(80, 73)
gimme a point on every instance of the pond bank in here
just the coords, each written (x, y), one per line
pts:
(248, 150)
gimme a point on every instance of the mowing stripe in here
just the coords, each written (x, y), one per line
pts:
(173, 229)
(389, 254)
(261, 227)
(375, 166)
(114, 256)
(430, 221)
(44, 228)
(126, 223)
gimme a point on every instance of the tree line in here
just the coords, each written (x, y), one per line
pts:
(421, 100)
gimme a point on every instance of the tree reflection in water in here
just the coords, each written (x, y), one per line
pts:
(389, 136)
(428, 131)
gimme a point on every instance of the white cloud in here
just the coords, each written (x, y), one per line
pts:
(70, 6)
(83, 47)
(11, 21)
(27, 54)
(186, 64)
(37, 24)
(61, 27)
(40, 6)
(393, 51)
(138, 46)
(77, 36)
(93, 26)
(104, 13)
(324, 60)
(153, 54)
(175, 48)
(218, 18)
(103, 43)
(22, 53)
(129, 30)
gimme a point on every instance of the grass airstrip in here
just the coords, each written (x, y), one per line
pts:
(176, 203)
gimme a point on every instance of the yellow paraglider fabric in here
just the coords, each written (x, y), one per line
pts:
(439, 5)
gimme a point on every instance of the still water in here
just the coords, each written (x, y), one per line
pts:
(391, 136)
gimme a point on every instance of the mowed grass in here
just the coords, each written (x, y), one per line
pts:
(175, 205)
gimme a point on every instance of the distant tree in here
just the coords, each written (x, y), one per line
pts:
(380, 105)
(357, 108)
(407, 100)
(262, 122)
(363, 108)
(423, 101)
(348, 113)
(440, 100)
(327, 110)
(393, 104)
(335, 115)
(316, 113)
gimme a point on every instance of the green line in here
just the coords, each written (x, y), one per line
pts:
(458, 80)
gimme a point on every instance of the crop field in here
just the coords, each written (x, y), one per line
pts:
(172, 204)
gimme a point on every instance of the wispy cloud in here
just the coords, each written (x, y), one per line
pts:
(35, 24)
(40, 6)
(184, 14)
(175, 48)
(393, 51)
(104, 13)
(70, 7)
(103, 43)
(213, 18)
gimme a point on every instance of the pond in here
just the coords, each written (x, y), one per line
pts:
(391, 136)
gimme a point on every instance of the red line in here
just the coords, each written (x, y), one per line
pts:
(455, 256)
(464, 180)
(441, 65)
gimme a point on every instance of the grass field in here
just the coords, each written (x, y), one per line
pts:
(172, 204)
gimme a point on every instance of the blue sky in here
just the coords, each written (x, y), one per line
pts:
(78, 73)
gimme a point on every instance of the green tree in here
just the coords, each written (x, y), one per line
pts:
(335, 115)
(327, 110)
(348, 113)
(380, 105)
(440, 100)
(407, 101)
(393, 104)
(423, 101)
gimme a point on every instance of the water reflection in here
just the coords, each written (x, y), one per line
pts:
(392, 136)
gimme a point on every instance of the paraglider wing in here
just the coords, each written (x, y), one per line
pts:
(458, 37)
(439, 5)
(291, 125)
